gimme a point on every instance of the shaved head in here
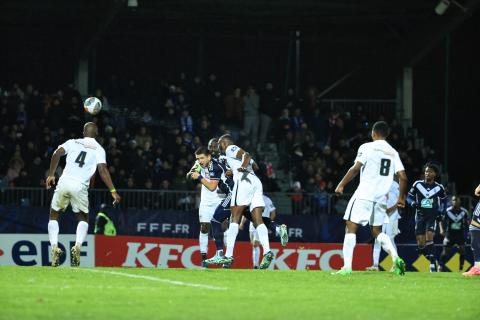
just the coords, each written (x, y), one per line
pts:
(224, 141)
(90, 130)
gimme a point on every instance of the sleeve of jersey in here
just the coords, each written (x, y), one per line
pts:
(101, 158)
(66, 146)
(398, 164)
(362, 154)
(231, 151)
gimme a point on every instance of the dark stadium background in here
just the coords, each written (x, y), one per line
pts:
(248, 42)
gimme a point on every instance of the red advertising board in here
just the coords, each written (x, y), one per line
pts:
(128, 251)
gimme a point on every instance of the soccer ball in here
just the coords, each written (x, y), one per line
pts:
(92, 105)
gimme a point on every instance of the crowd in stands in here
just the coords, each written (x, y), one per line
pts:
(150, 143)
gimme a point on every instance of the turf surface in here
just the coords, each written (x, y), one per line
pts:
(106, 293)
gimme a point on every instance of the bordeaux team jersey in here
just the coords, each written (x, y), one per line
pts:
(429, 198)
(212, 172)
(226, 182)
(455, 220)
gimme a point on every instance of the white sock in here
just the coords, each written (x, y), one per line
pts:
(387, 245)
(231, 237)
(255, 255)
(262, 232)
(203, 242)
(277, 230)
(82, 229)
(53, 230)
(477, 264)
(376, 253)
(225, 238)
(348, 246)
(219, 253)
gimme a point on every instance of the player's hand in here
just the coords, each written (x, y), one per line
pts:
(242, 169)
(229, 173)
(339, 190)
(195, 175)
(50, 182)
(400, 203)
(477, 191)
(116, 198)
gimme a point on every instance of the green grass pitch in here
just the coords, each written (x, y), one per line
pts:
(115, 293)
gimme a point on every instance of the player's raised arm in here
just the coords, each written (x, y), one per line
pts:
(351, 173)
(402, 182)
(53, 166)
(107, 179)
(210, 184)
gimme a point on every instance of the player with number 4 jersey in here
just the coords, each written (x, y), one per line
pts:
(376, 162)
(84, 157)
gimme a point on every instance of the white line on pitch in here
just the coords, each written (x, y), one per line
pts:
(174, 282)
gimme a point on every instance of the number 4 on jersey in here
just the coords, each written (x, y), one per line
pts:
(81, 158)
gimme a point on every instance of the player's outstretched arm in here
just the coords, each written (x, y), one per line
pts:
(351, 173)
(402, 181)
(53, 167)
(107, 179)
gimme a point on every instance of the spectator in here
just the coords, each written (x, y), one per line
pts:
(268, 111)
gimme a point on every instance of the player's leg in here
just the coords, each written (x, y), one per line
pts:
(262, 233)
(475, 242)
(447, 246)
(461, 252)
(278, 230)
(376, 252)
(53, 231)
(255, 246)
(217, 224)
(232, 231)
(203, 241)
(79, 202)
(81, 234)
(420, 231)
(379, 216)
(60, 202)
(429, 244)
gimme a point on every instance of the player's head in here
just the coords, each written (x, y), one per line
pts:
(213, 146)
(380, 130)
(456, 202)
(224, 141)
(431, 172)
(203, 156)
(90, 130)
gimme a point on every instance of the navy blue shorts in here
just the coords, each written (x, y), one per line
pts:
(222, 212)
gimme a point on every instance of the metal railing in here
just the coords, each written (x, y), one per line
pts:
(373, 108)
(286, 203)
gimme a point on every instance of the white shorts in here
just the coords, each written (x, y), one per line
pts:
(391, 228)
(248, 191)
(206, 211)
(70, 192)
(366, 212)
(253, 233)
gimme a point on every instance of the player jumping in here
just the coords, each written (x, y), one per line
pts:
(376, 162)
(428, 199)
(247, 193)
(84, 156)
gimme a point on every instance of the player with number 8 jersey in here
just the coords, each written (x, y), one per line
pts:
(377, 162)
(84, 157)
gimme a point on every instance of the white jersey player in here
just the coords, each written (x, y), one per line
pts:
(84, 157)
(377, 162)
(247, 194)
(390, 227)
(209, 174)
